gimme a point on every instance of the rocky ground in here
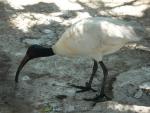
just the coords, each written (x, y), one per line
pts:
(43, 86)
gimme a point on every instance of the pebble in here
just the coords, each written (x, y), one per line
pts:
(138, 94)
(131, 89)
(61, 97)
(69, 109)
(25, 77)
(47, 31)
(18, 54)
(70, 92)
(57, 109)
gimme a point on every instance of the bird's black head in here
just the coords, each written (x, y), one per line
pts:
(34, 51)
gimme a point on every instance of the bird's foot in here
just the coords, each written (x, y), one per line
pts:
(98, 98)
(85, 88)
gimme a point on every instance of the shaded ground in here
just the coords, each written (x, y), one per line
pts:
(42, 80)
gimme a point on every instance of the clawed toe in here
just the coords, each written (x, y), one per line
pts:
(83, 88)
(98, 98)
(86, 89)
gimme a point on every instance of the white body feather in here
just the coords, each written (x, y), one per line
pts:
(95, 37)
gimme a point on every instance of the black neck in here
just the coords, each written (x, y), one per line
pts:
(36, 51)
(45, 52)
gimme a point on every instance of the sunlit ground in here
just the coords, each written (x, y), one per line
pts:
(127, 7)
(25, 20)
(123, 107)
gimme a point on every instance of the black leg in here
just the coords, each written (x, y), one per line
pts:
(87, 86)
(101, 96)
(95, 67)
(105, 72)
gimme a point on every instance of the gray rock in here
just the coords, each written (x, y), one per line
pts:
(127, 83)
(145, 86)
(138, 94)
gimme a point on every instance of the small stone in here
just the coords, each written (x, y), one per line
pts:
(138, 94)
(18, 54)
(66, 14)
(61, 97)
(48, 35)
(70, 108)
(70, 92)
(47, 31)
(26, 77)
(57, 109)
(131, 89)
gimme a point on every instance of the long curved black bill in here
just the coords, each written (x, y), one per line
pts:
(23, 62)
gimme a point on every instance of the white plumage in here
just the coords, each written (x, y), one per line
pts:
(95, 37)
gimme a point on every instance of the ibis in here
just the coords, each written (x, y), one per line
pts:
(92, 37)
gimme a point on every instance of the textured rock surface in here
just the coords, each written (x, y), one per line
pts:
(43, 86)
